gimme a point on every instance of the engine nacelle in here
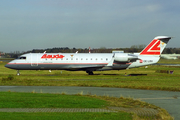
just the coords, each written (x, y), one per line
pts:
(122, 57)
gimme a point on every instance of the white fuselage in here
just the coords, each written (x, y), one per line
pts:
(79, 61)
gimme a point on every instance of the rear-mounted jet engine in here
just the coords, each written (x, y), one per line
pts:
(120, 57)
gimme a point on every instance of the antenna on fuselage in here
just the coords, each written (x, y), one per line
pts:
(89, 50)
(44, 52)
(76, 52)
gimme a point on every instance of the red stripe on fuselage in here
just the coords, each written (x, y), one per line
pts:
(58, 63)
(65, 63)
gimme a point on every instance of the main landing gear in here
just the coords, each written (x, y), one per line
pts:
(90, 72)
(18, 73)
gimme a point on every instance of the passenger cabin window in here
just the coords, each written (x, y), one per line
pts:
(22, 58)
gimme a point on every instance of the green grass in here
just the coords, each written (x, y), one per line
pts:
(35, 100)
(65, 116)
(44, 100)
(153, 81)
(41, 100)
(177, 61)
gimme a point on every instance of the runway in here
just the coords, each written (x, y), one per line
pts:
(164, 99)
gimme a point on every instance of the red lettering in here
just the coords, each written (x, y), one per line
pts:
(45, 56)
(61, 56)
(49, 56)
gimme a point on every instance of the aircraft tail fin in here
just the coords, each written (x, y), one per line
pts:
(156, 46)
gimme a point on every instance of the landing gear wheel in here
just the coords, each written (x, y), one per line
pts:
(18, 73)
(90, 72)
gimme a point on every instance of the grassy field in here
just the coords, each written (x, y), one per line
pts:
(44, 100)
(154, 80)
(29, 100)
(40, 100)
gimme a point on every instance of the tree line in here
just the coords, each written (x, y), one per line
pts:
(132, 49)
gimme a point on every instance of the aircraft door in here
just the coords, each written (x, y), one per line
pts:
(34, 59)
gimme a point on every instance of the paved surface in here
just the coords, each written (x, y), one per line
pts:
(164, 99)
(139, 111)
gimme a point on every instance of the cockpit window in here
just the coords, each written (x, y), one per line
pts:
(21, 57)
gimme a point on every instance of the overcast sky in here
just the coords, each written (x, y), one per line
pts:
(40, 24)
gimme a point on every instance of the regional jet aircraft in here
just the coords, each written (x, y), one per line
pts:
(90, 62)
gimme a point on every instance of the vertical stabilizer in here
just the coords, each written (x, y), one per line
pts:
(156, 46)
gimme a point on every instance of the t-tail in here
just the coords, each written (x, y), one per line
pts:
(156, 46)
(151, 53)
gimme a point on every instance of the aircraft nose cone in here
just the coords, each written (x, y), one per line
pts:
(10, 66)
(7, 65)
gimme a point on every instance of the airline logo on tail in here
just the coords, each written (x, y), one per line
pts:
(153, 48)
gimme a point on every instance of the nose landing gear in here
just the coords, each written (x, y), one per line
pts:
(18, 73)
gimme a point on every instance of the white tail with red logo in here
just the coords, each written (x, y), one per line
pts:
(156, 46)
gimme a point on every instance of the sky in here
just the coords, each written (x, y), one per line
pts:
(41, 24)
